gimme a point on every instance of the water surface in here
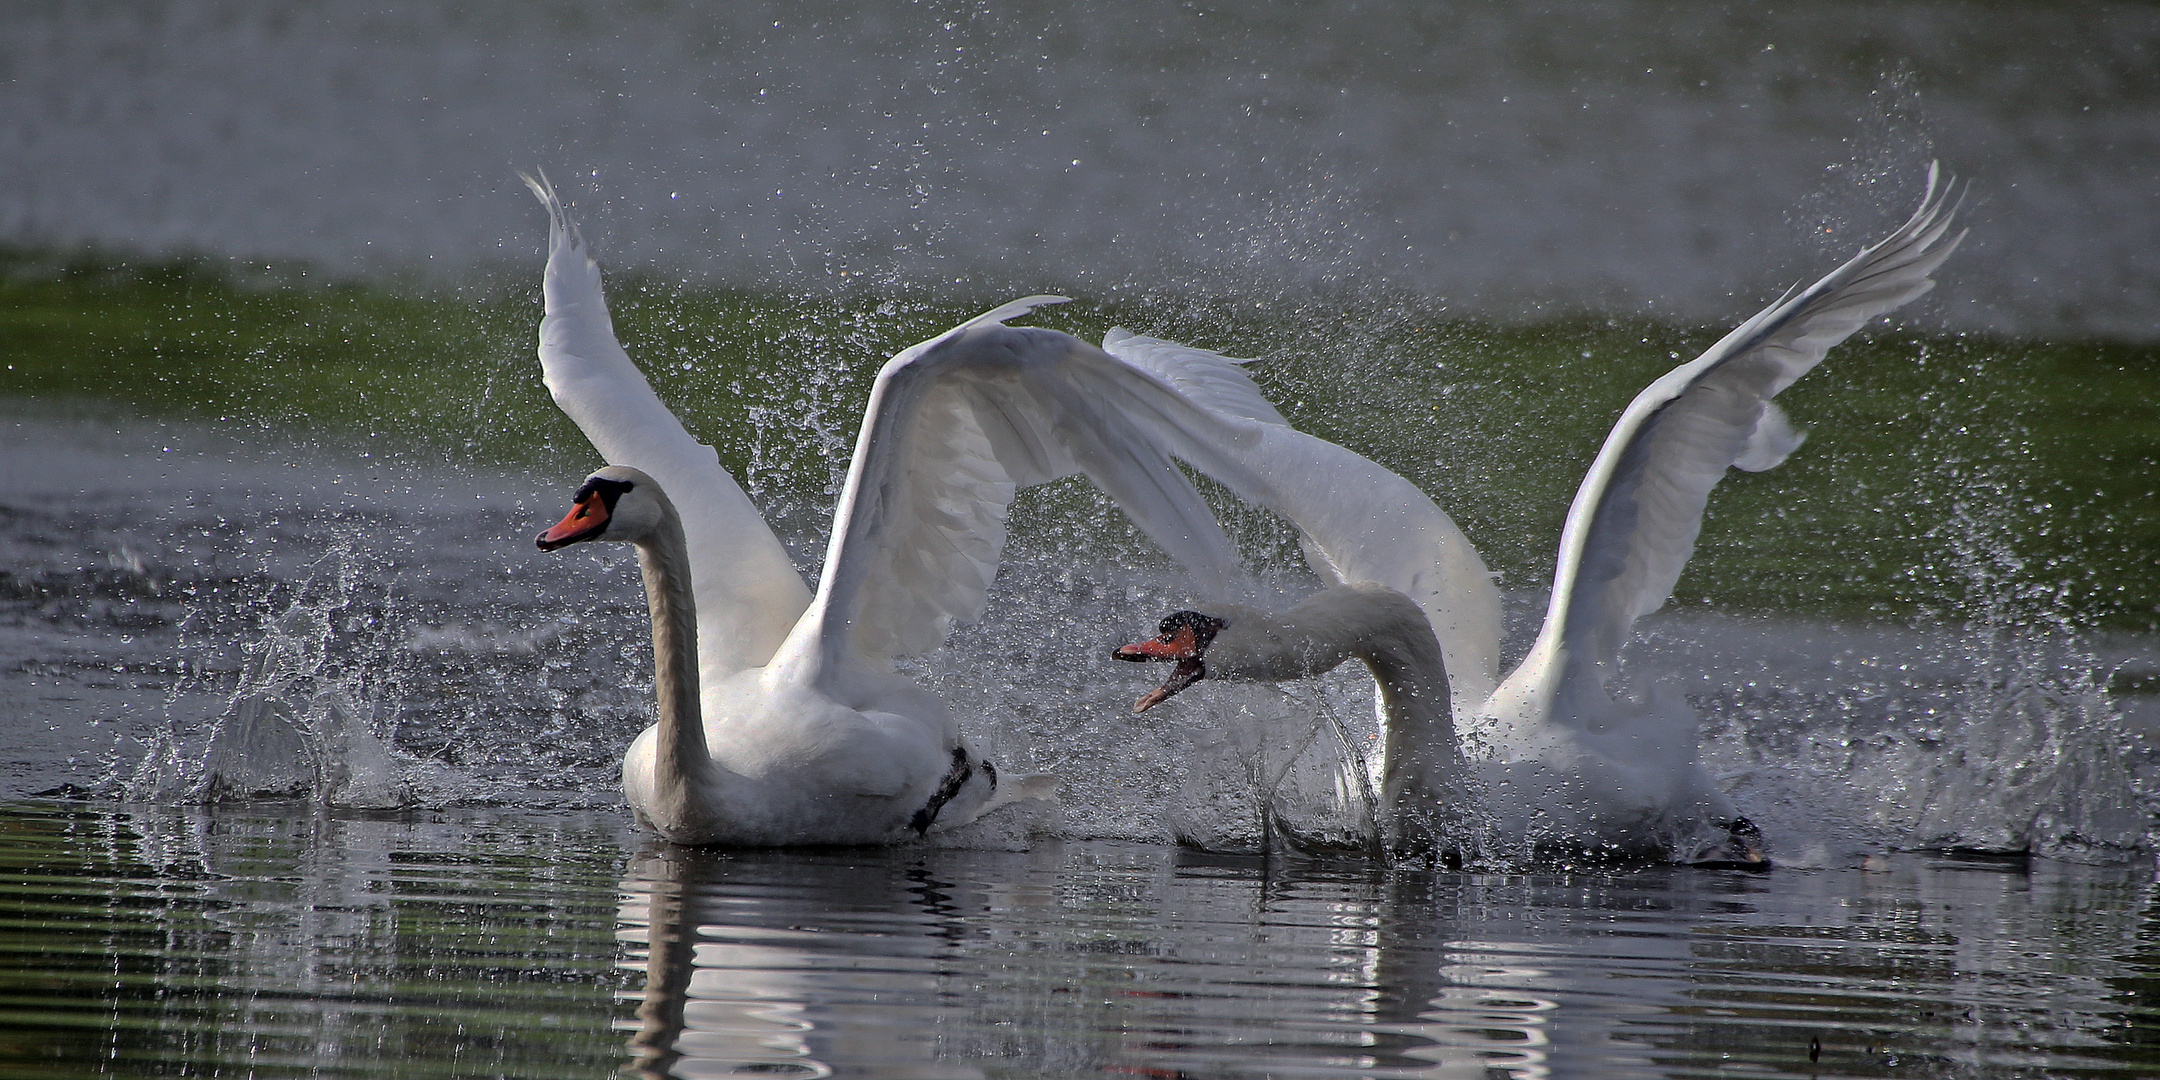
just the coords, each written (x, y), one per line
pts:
(421, 864)
(1614, 156)
(283, 941)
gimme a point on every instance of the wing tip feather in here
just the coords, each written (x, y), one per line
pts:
(563, 233)
(1879, 279)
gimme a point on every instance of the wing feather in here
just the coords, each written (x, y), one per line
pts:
(953, 430)
(1203, 376)
(1359, 521)
(1636, 516)
(748, 593)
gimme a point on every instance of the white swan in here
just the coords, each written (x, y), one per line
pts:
(1563, 759)
(806, 734)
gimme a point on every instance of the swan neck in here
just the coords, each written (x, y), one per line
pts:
(1426, 803)
(682, 756)
(1414, 700)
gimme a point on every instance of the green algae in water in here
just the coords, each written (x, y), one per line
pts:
(1939, 467)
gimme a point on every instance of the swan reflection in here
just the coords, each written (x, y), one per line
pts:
(372, 940)
(1116, 960)
(786, 966)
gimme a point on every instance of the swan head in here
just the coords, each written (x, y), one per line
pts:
(1182, 639)
(616, 503)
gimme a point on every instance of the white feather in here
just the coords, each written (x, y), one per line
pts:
(748, 593)
(1635, 518)
(811, 735)
(1359, 521)
(953, 429)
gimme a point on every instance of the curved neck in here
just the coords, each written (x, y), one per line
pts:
(1426, 801)
(681, 755)
(1425, 797)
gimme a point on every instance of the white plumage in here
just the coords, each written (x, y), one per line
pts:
(811, 736)
(1600, 767)
(1561, 757)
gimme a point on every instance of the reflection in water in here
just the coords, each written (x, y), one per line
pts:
(279, 941)
(276, 941)
(1095, 960)
(778, 966)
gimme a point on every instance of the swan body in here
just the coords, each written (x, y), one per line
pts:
(781, 718)
(1559, 757)
(779, 766)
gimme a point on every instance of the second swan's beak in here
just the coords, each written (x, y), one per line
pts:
(585, 521)
(1180, 643)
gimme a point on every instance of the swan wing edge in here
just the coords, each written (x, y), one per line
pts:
(954, 429)
(748, 591)
(1635, 518)
(1358, 520)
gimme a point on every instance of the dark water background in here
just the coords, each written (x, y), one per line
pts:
(1511, 157)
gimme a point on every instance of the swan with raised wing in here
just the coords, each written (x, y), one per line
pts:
(1556, 756)
(785, 722)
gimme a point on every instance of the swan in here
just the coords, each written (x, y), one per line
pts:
(781, 719)
(1560, 758)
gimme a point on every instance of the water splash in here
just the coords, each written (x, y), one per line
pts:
(1988, 727)
(306, 719)
(1276, 770)
(2028, 754)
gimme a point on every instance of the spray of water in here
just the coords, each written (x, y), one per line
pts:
(307, 718)
(352, 696)
(2028, 753)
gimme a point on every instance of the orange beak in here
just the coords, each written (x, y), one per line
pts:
(1182, 647)
(586, 519)
(1178, 646)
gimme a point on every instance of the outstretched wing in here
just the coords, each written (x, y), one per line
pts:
(1360, 521)
(1635, 518)
(954, 428)
(748, 593)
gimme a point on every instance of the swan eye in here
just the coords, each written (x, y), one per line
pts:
(1189, 626)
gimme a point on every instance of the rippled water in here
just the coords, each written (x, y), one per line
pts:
(194, 613)
(280, 941)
